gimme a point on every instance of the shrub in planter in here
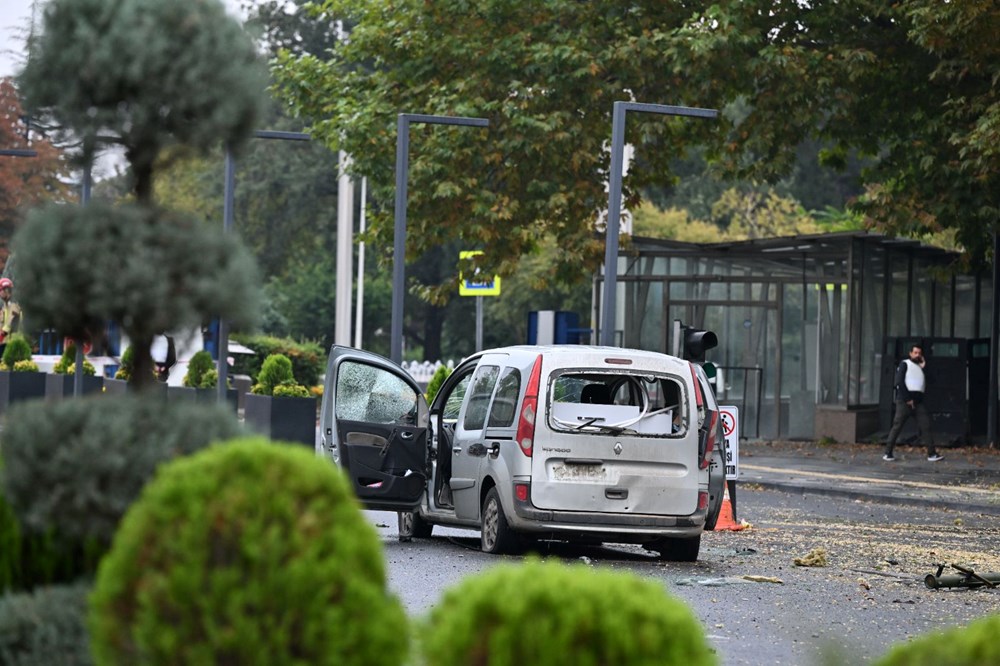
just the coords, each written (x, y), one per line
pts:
(45, 627)
(561, 615)
(437, 379)
(973, 645)
(25, 366)
(124, 371)
(75, 466)
(67, 363)
(201, 362)
(18, 349)
(247, 553)
(276, 371)
(278, 406)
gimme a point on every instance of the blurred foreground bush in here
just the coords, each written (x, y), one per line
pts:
(977, 644)
(246, 553)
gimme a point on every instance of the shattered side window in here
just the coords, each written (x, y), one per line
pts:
(482, 388)
(371, 394)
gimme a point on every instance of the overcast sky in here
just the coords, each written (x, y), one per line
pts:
(14, 18)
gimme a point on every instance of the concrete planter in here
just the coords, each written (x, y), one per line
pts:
(115, 386)
(211, 395)
(284, 419)
(59, 386)
(18, 386)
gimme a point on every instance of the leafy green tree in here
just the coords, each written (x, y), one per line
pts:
(912, 87)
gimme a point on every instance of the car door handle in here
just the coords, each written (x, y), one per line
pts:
(456, 449)
(406, 434)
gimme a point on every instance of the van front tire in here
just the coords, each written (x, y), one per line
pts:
(412, 525)
(679, 549)
(497, 536)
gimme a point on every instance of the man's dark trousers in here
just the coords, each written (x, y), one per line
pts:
(903, 413)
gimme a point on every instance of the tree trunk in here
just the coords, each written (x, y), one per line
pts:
(433, 325)
(143, 375)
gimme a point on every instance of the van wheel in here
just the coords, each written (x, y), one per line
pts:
(713, 516)
(678, 549)
(412, 525)
(497, 535)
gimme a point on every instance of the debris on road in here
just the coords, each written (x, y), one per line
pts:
(764, 579)
(815, 558)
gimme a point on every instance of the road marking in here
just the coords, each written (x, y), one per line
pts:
(865, 479)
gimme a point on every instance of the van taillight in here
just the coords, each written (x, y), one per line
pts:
(521, 492)
(529, 410)
(713, 422)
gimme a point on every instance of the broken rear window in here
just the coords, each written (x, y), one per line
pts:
(617, 403)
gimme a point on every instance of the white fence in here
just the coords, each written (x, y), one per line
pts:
(422, 371)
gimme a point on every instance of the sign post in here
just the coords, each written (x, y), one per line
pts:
(731, 432)
(478, 288)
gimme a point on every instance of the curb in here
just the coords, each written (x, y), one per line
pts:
(923, 502)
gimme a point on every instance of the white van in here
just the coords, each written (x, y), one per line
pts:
(563, 442)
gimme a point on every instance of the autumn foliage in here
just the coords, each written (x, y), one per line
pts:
(24, 181)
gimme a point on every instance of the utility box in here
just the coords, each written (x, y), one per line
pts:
(553, 327)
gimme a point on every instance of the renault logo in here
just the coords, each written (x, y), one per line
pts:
(618, 448)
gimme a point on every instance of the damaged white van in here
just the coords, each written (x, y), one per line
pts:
(564, 442)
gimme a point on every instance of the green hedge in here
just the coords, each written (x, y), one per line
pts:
(247, 553)
(74, 467)
(561, 615)
(308, 358)
(976, 644)
(45, 627)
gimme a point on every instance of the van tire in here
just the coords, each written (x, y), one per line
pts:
(412, 525)
(713, 517)
(679, 549)
(497, 536)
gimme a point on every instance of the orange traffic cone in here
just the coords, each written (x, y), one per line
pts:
(726, 519)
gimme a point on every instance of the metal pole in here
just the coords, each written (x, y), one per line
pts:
(84, 200)
(399, 229)
(359, 312)
(991, 412)
(222, 363)
(620, 110)
(399, 238)
(345, 251)
(479, 323)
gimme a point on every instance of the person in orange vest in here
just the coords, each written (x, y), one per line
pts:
(10, 313)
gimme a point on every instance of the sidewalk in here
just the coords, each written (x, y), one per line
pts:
(968, 479)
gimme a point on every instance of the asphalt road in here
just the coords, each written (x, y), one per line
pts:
(869, 595)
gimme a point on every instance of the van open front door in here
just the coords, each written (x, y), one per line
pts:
(374, 423)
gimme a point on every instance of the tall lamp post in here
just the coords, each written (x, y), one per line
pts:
(227, 225)
(403, 122)
(615, 200)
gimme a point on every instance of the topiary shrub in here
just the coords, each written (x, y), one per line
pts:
(973, 645)
(45, 627)
(127, 361)
(276, 373)
(561, 615)
(437, 379)
(211, 379)
(248, 553)
(18, 349)
(201, 362)
(67, 363)
(75, 466)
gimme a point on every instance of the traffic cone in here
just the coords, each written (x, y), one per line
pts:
(726, 519)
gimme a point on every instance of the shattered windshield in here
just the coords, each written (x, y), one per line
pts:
(618, 403)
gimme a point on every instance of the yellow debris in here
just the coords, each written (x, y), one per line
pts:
(815, 558)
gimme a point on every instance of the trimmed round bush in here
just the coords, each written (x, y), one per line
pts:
(556, 614)
(18, 349)
(67, 363)
(276, 371)
(200, 363)
(248, 553)
(973, 645)
(44, 627)
(75, 466)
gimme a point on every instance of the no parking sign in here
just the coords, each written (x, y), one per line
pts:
(731, 431)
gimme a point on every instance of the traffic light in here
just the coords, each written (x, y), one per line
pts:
(696, 342)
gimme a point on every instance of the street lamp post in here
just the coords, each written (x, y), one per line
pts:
(399, 230)
(615, 200)
(227, 225)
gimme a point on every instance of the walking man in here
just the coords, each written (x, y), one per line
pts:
(910, 385)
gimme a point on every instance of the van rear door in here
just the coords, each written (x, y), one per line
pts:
(374, 423)
(617, 442)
